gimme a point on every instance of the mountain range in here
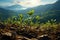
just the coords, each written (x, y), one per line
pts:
(14, 7)
(47, 12)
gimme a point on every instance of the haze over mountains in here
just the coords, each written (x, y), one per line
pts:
(50, 11)
(14, 7)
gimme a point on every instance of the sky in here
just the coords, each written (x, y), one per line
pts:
(26, 3)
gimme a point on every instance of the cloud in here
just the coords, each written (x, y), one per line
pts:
(26, 3)
(44, 2)
(5, 4)
(34, 3)
(30, 3)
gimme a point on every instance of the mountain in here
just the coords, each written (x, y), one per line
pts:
(47, 12)
(53, 13)
(56, 5)
(38, 9)
(4, 14)
(49, 7)
(14, 7)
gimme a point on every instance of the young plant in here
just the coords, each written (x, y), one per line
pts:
(30, 18)
(20, 19)
(37, 20)
(30, 13)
